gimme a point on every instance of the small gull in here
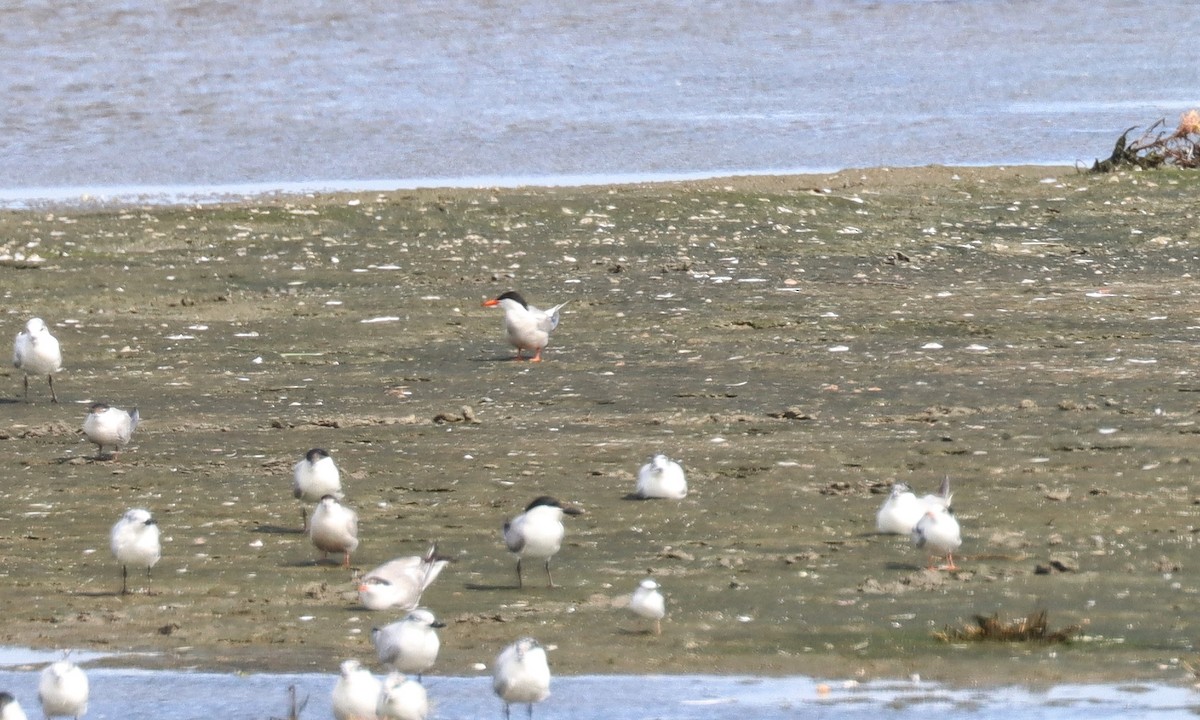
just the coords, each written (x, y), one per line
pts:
(334, 528)
(36, 352)
(521, 675)
(662, 477)
(410, 645)
(110, 426)
(63, 690)
(135, 541)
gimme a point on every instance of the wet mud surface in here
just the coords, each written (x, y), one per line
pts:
(797, 343)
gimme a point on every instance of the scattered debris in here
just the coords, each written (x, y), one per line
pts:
(1034, 628)
(1156, 147)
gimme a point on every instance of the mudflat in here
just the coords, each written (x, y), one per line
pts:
(798, 344)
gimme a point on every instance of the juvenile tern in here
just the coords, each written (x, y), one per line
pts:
(526, 327)
(662, 477)
(334, 528)
(135, 541)
(36, 352)
(648, 602)
(400, 582)
(410, 645)
(538, 532)
(313, 478)
(939, 534)
(356, 693)
(10, 709)
(110, 426)
(63, 690)
(902, 509)
(402, 699)
(521, 675)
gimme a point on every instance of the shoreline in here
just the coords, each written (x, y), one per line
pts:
(117, 196)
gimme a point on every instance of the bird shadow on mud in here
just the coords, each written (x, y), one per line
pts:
(907, 567)
(491, 586)
(277, 530)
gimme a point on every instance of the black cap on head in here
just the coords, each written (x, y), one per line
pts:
(514, 295)
(315, 454)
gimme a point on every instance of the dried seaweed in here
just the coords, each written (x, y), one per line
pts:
(1034, 628)
(1157, 147)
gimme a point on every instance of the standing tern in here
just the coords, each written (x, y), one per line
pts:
(135, 541)
(36, 352)
(334, 529)
(538, 532)
(402, 699)
(648, 602)
(939, 534)
(63, 690)
(110, 426)
(313, 478)
(10, 709)
(410, 645)
(662, 477)
(902, 509)
(526, 327)
(521, 675)
(356, 693)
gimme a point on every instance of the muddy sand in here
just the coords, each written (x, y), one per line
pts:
(797, 343)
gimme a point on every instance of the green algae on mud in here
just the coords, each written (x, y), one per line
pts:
(798, 343)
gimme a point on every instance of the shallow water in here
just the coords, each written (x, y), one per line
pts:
(146, 95)
(134, 694)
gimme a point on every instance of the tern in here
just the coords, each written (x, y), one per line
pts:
(648, 602)
(538, 532)
(110, 426)
(526, 327)
(402, 699)
(521, 675)
(410, 645)
(902, 509)
(313, 478)
(662, 477)
(334, 528)
(10, 709)
(135, 541)
(400, 582)
(356, 693)
(63, 690)
(36, 352)
(939, 534)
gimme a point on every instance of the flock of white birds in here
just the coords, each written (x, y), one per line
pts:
(521, 671)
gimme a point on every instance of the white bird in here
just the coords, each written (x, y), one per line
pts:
(526, 327)
(662, 477)
(521, 674)
(36, 352)
(313, 478)
(538, 532)
(63, 690)
(410, 645)
(939, 534)
(334, 529)
(648, 602)
(110, 426)
(10, 709)
(402, 699)
(356, 693)
(902, 509)
(400, 582)
(135, 541)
